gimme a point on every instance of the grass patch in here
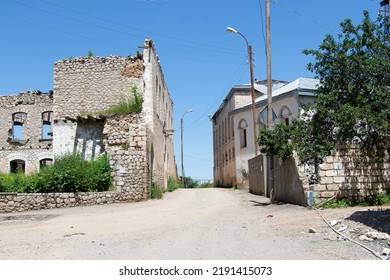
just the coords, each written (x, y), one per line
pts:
(130, 104)
(382, 198)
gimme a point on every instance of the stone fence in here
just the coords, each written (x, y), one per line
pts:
(19, 202)
(347, 175)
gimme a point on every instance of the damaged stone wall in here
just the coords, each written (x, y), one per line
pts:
(159, 118)
(32, 145)
(139, 147)
(125, 139)
(89, 84)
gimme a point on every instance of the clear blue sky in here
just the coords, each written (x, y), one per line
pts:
(200, 60)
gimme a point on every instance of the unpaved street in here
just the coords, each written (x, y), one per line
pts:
(186, 224)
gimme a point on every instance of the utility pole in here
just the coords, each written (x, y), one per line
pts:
(250, 53)
(269, 75)
(270, 170)
(183, 182)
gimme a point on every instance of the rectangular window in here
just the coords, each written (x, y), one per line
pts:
(47, 133)
(18, 120)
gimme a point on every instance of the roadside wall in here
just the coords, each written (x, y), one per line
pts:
(290, 184)
(13, 202)
(347, 175)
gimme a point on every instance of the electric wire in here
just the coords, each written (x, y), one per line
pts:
(262, 27)
(219, 48)
(238, 73)
(201, 46)
(301, 15)
(343, 236)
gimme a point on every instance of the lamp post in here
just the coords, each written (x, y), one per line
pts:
(181, 134)
(249, 47)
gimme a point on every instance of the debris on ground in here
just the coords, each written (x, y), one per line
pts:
(312, 230)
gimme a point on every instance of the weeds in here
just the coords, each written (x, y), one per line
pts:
(69, 173)
(156, 192)
(127, 105)
(374, 200)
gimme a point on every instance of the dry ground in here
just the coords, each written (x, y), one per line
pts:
(191, 224)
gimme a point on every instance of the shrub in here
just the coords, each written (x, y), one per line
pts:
(127, 105)
(173, 184)
(69, 173)
(156, 192)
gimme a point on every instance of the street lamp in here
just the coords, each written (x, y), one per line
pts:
(181, 133)
(249, 47)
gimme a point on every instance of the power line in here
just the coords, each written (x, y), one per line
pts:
(201, 46)
(109, 43)
(219, 48)
(302, 15)
(238, 73)
(262, 26)
(62, 31)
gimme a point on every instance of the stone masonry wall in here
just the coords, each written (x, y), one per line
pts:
(345, 175)
(32, 147)
(89, 84)
(125, 141)
(19, 202)
(158, 108)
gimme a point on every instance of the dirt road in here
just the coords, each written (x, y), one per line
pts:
(186, 224)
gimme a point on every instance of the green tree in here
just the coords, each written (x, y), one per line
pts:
(276, 141)
(353, 101)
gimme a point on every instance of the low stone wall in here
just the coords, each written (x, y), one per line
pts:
(19, 202)
(346, 175)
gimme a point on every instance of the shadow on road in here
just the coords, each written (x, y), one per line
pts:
(257, 203)
(376, 219)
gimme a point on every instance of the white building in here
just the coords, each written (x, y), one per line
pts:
(232, 124)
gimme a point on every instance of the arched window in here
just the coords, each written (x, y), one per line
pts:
(18, 121)
(242, 127)
(47, 133)
(260, 122)
(285, 115)
(45, 162)
(18, 166)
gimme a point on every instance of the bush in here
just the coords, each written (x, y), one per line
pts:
(156, 192)
(69, 173)
(173, 184)
(127, 105)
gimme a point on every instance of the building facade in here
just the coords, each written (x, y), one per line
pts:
(26, 142)
(37, 128)
(232, 124)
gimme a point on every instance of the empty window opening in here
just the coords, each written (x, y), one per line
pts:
(47, 132)
(17, 166)
(45, 162)
(243, 137)
(18, 120)
(285, 114)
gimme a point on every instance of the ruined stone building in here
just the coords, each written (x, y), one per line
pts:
(36, 127)
(26, 142)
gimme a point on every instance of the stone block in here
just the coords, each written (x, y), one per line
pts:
(326, 180)
(333, 187)
(326, 166)
(338, 180)
(330, 173)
